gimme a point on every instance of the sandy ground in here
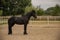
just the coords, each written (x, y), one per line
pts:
(36, 31)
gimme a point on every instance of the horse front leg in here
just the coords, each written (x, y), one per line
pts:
(9, 30)
(25, 29)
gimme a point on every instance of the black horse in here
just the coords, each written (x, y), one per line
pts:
(20, 20)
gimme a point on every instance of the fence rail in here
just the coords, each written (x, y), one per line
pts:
(38, 17)
(3, 19)
(48, 18)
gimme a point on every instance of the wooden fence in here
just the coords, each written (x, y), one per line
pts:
(3, 19)
(38, 17)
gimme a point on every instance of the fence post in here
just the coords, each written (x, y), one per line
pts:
(48, 20)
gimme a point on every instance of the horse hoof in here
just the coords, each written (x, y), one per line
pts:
(9, 33)
(25, 33)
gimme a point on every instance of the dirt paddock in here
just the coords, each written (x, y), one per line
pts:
(36, 31)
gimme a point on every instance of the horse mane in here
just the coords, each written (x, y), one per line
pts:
(33, 11)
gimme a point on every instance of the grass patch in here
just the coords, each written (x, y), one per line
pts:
(0, 12)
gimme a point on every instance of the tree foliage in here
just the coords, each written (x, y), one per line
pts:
(40, 12)
(54, 11)
(16, 7)
(12, 7)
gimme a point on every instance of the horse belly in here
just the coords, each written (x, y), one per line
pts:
(19, 22)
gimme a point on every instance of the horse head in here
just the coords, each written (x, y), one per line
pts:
(34, 14)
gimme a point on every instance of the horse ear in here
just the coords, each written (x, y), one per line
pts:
(33, 11)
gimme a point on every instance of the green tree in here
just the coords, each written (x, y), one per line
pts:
(29, 8)
(54, 11)
(49, 11)
(40, 12)
(12, 7)
(57, 10)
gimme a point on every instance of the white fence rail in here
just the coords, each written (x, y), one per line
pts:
(38, 17)
(3, 19)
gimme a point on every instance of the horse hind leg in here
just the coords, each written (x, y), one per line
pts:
(10, 28)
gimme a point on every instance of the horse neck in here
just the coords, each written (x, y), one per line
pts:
(28, 16)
